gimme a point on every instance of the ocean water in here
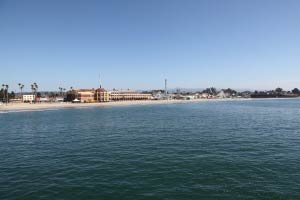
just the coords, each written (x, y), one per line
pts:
(212, 150)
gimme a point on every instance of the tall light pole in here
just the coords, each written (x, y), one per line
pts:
(166, 93)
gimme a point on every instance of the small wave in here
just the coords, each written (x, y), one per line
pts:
(18, 111)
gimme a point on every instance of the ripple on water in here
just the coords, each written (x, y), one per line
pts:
(220, 150)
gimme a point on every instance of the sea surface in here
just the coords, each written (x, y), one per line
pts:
(208, 150)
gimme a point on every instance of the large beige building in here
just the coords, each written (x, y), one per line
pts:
(85, 95)
(101, 95)
(128, 95)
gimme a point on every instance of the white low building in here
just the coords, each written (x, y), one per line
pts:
(204, 95)
(44, 99)
(59, 99)
(28, 98)
(189, 97)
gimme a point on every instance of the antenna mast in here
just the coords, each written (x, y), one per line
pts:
(99, 80)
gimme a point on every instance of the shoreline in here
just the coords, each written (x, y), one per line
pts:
(54, 106)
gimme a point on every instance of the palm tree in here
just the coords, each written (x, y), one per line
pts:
(6, 88)
(296, 91)
(73, 92)
(278, 90)
(34, 88)
(5, 92)
(60, 89)
(21, 86)
(3, 88)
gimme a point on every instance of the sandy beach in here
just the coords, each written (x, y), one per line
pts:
(49, 106)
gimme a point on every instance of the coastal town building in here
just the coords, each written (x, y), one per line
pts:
(59, 99)
(44, 99)
(15, 100)
(205, 95)
(85, 95)
(128, 96)
(101, 95)
(28, 98)
(184, 97)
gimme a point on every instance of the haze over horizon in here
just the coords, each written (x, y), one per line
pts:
(136, 44)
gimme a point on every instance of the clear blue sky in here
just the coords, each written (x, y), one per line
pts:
(135, 44)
